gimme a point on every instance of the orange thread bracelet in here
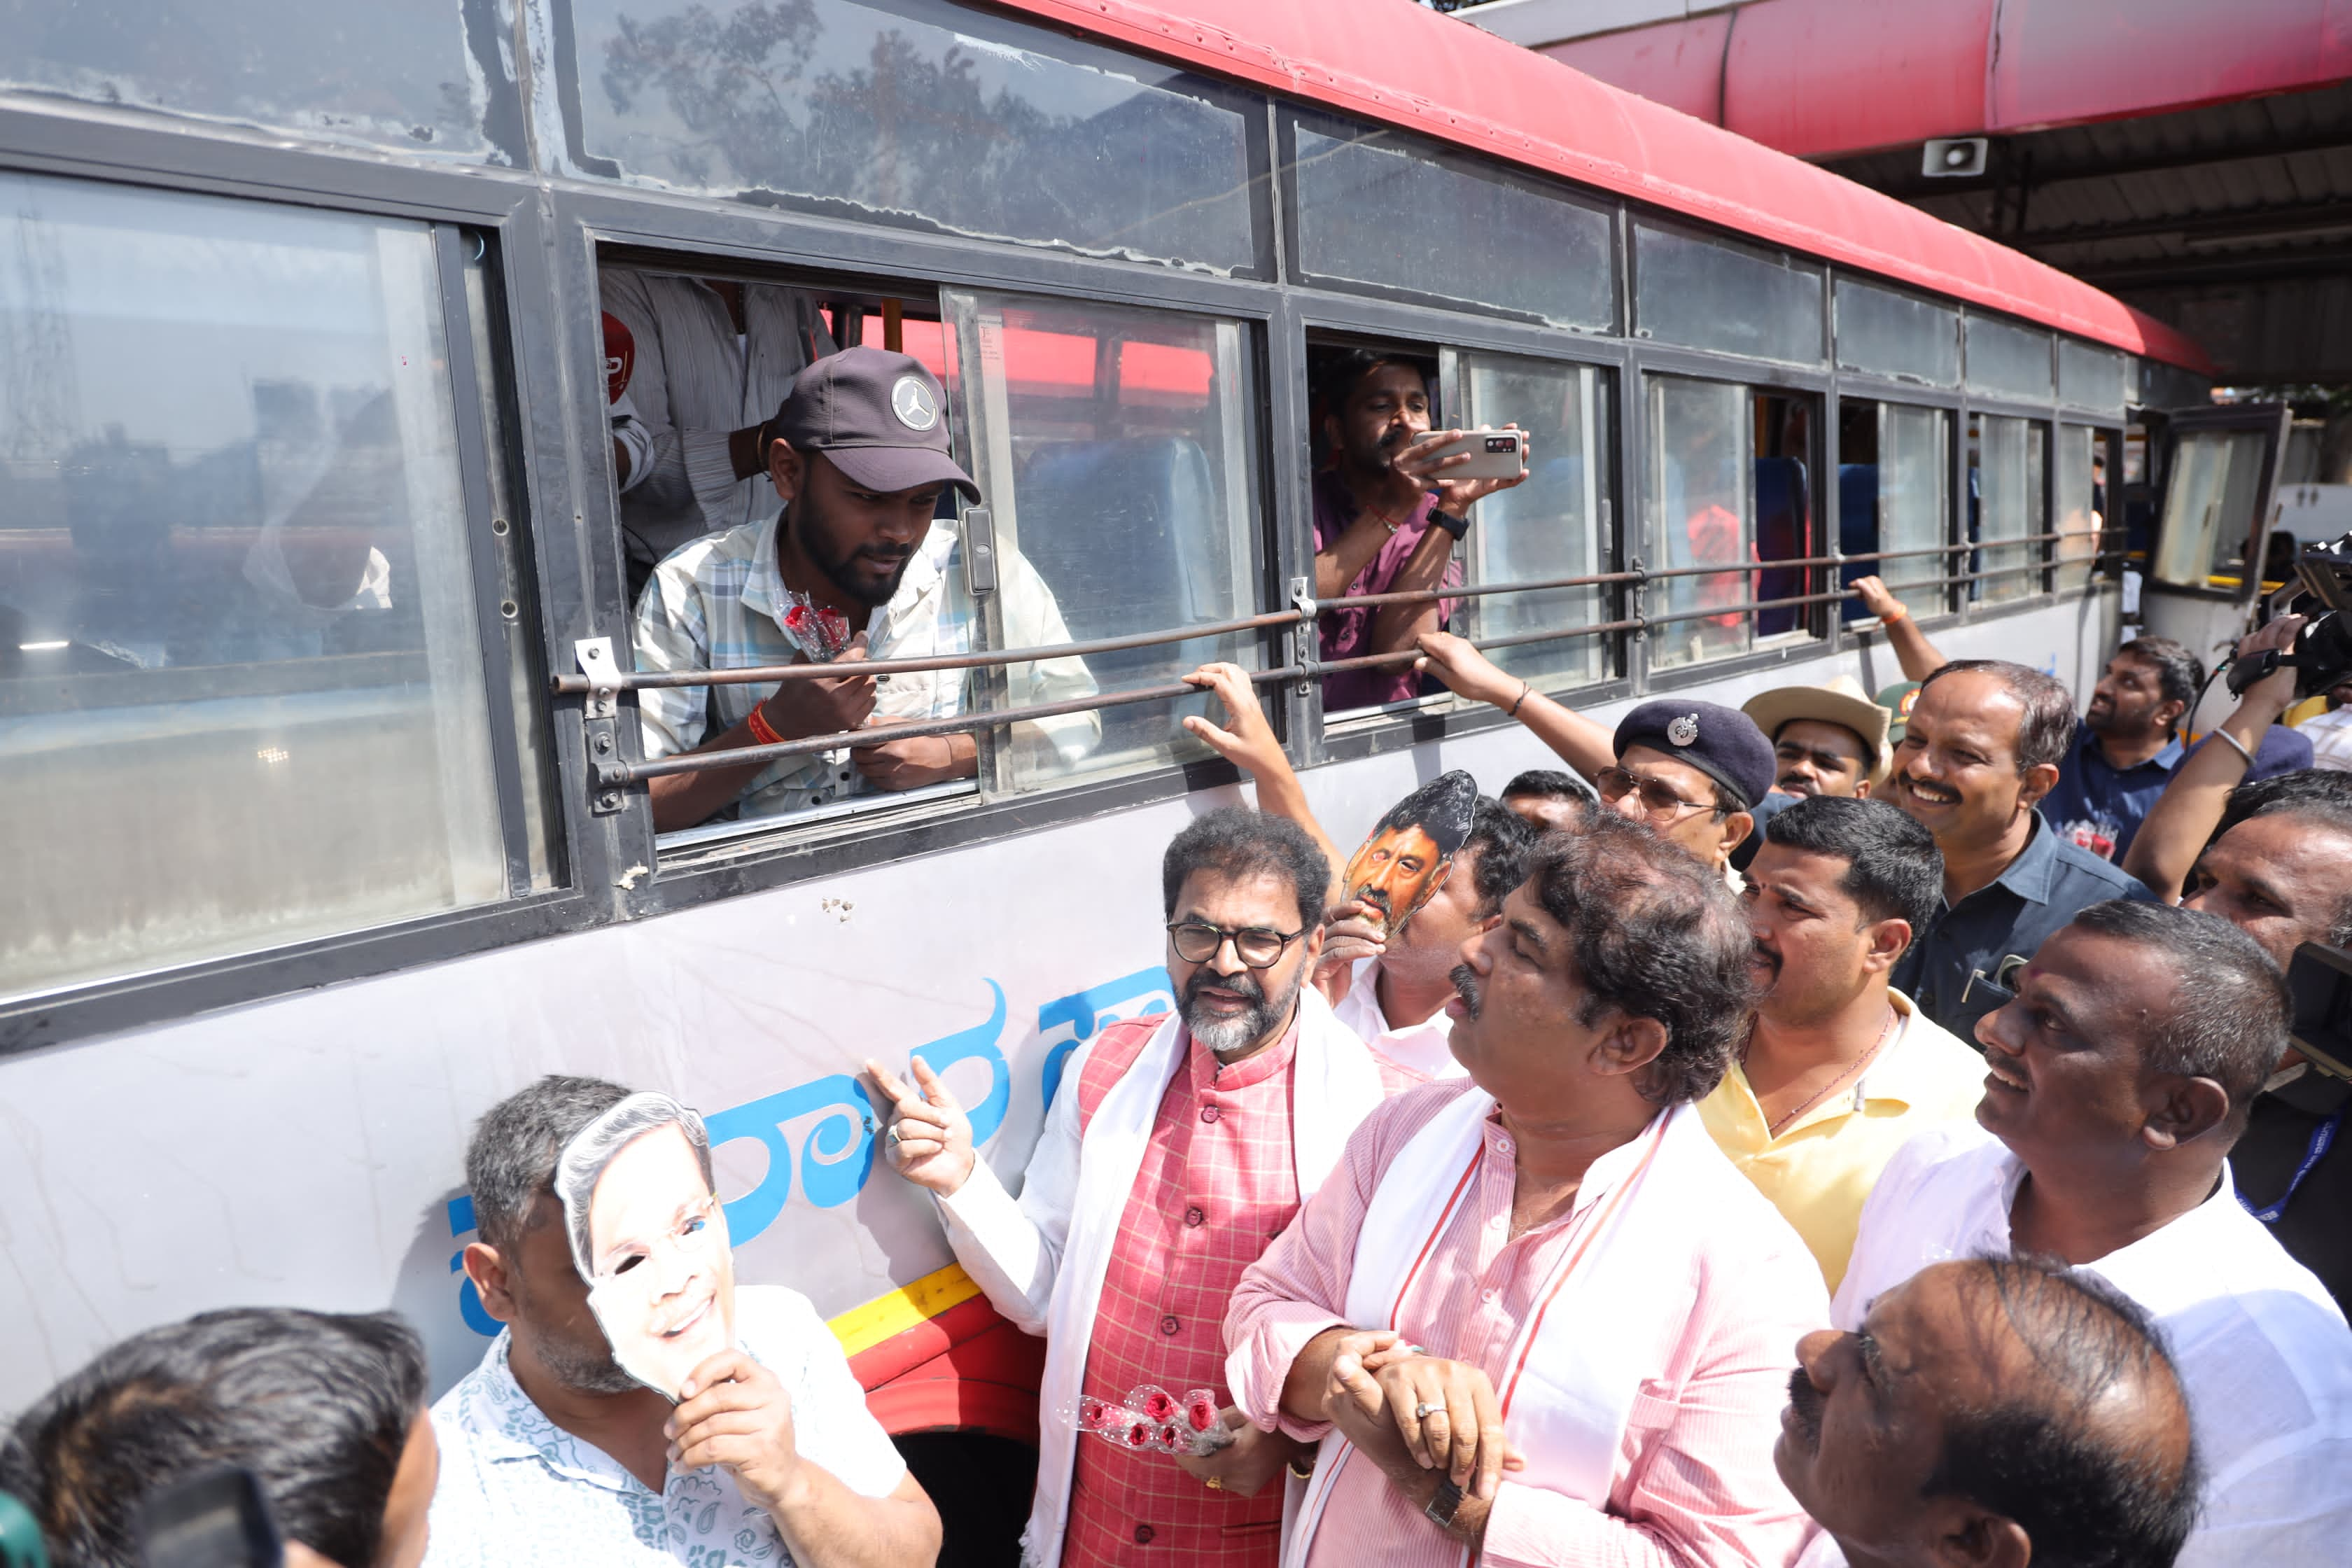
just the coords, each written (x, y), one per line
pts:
(1901, 610)
(762, 730)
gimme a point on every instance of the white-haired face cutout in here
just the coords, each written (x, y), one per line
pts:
(652, 1242)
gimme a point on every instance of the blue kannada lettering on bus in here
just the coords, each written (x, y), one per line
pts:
(836, 1157)
(1086, 1011)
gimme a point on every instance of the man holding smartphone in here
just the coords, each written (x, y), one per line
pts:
(1386, 518)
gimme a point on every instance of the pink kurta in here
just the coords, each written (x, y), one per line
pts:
(1691, 1480)
(1217, 1184)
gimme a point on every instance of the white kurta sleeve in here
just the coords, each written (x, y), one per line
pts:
(1033, 620)
(1013, 1247)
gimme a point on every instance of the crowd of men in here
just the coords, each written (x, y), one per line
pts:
(1775, 1138)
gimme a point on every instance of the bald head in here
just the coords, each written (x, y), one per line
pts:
(1994, 1412)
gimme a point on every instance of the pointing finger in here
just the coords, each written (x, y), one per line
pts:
(934, 1090)
(893, 1089)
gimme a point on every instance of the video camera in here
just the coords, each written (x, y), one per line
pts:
(2323, 650)
(2321, 979)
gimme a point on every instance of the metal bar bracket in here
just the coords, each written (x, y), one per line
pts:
(1302, 637)
(599, 729)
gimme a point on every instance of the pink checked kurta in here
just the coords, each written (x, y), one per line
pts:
(1217, 1184)
(1692, 1481)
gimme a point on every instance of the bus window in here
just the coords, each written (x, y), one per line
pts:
(2079, 519)
(1550, 527)
(1893, 466)
(2008, 457)
(1113, 448)
(1730, 484)
(1485, 238)
(1706, 293)
(918, 112)
(2007, 361)
(2208, 502)
(242, 691)
(1887, 333)
(2091, 377)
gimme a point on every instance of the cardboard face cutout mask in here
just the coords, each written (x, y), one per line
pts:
(649, 1238)
(1405, 859)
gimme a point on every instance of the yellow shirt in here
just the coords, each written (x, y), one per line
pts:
(1819, 1169)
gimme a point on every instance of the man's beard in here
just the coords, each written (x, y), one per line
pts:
(1806, 1400)
(836, 568)
(1465, 985)
(582, 1368)
(1226, 1035)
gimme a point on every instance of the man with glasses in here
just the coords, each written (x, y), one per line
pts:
(1175, 1149)
(1692, 771)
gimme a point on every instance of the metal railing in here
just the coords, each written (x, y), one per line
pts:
(614, 774)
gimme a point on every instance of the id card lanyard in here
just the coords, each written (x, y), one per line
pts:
(2322, 1137)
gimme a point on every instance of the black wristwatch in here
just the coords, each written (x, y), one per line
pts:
(1442, 1505)
(1459, 527)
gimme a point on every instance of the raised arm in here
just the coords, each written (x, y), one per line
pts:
(1917, 655)
(1247, 741)
(2174, 834)
(1582, 745)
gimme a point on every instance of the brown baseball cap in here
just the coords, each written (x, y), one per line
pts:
(877, 417)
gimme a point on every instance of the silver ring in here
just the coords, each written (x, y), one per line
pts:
(1421, 1412)
(891, 1133)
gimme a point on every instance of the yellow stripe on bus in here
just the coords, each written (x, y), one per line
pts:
(863, 1327)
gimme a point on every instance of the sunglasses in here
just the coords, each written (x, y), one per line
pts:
(1658, 798)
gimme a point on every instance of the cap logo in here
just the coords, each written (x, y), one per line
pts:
(912, 402)
(1682, 732)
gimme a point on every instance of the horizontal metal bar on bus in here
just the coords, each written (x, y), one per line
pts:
(754, 675)
(612, 775)
(1427, 595)
(1730, 567)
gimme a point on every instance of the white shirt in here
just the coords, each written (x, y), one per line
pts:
(1422, 1047)
(2330, 735)
(2262, 1352)
(696, 382)
(517, 1492)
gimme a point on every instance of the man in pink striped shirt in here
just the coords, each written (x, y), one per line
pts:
(1537, 1314)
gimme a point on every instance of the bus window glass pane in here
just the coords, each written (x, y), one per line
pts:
(2009, 456)
(1888, 334)
(1707, 294)
(1898, 503)
(2209, 506)
(1113, 448)
(1477, 237)
(403, 74)
(2009, 362)
(1550, 526)
(2078, 505)
(2089, 377)
(1699, 498)
(956, 124)
(241, 695)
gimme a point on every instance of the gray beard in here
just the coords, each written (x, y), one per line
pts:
(1226, 1036)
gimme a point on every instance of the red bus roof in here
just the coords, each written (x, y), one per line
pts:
(1393, 62)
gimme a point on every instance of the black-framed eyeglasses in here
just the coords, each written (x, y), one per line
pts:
(1658, 797)
(1260, 947)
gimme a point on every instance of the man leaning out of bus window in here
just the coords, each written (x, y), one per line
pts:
(554, 1456)
(857, 567)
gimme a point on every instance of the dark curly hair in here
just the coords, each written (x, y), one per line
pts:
(1238, 842)
(1654, 934)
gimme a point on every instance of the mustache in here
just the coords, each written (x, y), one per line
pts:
(1806, 1400)
(1465, 985)
(1766, 957)
(1243, 985)
(1378, 899)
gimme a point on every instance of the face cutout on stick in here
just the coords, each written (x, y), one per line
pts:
(649, 1238)
(1404, 861)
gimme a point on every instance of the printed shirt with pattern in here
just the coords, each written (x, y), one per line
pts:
(517, 1492)
(1217, 1184)
(1346, 634)
(716, 603)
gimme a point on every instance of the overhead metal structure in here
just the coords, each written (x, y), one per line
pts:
(2194, 159)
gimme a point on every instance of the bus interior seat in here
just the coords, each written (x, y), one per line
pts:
(1858, 529)
(1115, 528)
(1784, 526)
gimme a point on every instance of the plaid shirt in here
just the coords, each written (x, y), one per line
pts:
(1218, 1182)
(715, 604)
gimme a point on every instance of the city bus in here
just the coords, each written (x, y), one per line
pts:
(327, 808)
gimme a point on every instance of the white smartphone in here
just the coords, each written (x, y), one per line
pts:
(1494, 455)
